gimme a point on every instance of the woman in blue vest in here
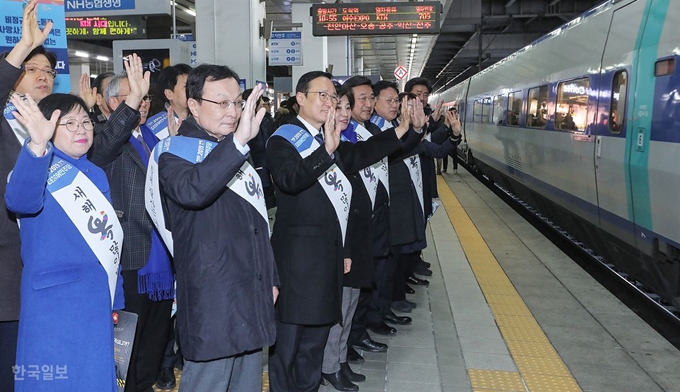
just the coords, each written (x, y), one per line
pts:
(70, 246)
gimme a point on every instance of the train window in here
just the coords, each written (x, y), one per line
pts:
(477, 111)
(537, 113)
(514, 108)
(500, 105)
(618, 102)
(571, 112)
(664, 67)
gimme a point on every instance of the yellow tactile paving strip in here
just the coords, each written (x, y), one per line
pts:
(540, 367)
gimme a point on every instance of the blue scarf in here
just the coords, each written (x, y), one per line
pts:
(156, 278)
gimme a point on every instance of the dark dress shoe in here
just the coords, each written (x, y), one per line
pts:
(349, 373)
(408, 289)
(422, 270)
(398, 320)
(339, 381)
(401, 307)
(383, 329)
(353, 356)
(411, 303)
(417, 281)
(166, 379)
(424, 263)
(370, 345)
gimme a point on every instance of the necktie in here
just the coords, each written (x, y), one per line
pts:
(140, 139)
(319, 137)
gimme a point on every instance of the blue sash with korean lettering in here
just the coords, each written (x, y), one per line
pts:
(158, 124)
(333, 181)
(91, 213)
(19, 130)
(246, 182)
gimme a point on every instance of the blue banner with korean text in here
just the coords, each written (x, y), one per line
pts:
(99, 5)
(11, 15)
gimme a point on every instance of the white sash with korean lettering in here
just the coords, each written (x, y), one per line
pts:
(384, 173)
(377, 171)
(245, 183)
(91, 213)
(333, 181)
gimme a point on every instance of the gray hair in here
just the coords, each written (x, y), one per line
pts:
(113, 88)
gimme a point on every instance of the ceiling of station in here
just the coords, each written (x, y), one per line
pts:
(474, 35)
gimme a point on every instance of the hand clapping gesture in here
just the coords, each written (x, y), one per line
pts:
(249, 124)
(438, 110)
(454, 122)
(138, 80)
(418, 118)
(173, 122)
(31, 35)
(89, 95)
(331, 132)
(39, 128)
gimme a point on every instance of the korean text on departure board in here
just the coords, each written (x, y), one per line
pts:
(111, 27)
(376, 18)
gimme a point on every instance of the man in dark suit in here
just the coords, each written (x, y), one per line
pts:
(226, 277)
(147, 274)
(306, 161)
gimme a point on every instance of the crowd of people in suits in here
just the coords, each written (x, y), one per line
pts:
(116, 201)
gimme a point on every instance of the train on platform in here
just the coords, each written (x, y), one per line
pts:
(584, 126)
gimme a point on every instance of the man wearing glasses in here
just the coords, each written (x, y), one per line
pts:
(226, 276)
(307, 162)
(122, 149)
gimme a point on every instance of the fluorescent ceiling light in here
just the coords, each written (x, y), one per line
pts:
(190, 11)
(82, 54)
(102, 58)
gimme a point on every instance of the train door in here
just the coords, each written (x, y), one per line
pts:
(611, 171)
(643, 166)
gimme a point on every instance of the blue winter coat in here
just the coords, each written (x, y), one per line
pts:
(65, 317)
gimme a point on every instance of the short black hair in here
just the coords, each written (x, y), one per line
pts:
(382, 85)
(63, 102)
(355, 81)
(417, 82)
(51, 57)
(99, 80)
(167, 78)
(265, 99)
(245, 94)
(207, 73)
(303, 83)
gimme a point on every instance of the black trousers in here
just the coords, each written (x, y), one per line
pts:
(9, 331)
(360, 323)
(381, 297)
(455, 161)
(151, 338)
(400, 274)
(296, 358)
(172, 358)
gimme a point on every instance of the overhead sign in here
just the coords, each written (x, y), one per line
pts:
(376, 18)
(11, 15)
(99, 5)
(285, 48)
(400, 72)
(112, 27)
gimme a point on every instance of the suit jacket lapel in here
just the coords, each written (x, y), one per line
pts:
(130, 150)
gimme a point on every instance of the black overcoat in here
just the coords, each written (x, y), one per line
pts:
(307, 238)
(223, 258)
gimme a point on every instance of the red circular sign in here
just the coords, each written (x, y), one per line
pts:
(400, 72)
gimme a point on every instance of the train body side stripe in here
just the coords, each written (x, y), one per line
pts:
(636, 162)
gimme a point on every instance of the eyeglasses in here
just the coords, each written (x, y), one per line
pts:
(226, 104)
(73, 125)
(392, 101)
(324, 96)
(146, 98)
(33, 70)
(366, 99)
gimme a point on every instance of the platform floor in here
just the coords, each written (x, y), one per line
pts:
(507, 311)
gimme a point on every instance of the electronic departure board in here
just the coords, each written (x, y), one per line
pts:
(376, 18)
(106, 27)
